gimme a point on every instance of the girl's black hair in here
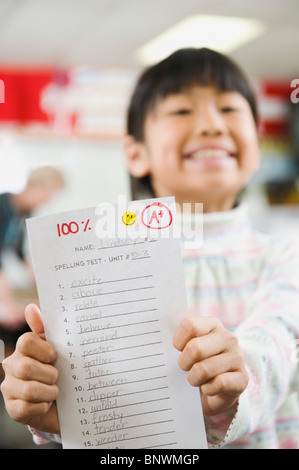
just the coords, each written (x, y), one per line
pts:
(182, 69)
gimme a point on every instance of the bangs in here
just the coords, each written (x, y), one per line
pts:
(202, 67)
(182, 69)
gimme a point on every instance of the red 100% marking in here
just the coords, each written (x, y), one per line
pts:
(72, 227)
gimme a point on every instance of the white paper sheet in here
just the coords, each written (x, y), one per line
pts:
(110, 308)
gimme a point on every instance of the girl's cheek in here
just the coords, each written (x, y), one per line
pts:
(246, 135)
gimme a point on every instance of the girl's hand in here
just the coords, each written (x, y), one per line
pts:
(214, 360)
(29, 388)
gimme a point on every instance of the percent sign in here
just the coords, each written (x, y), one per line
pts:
(72, 227)
(86, 225)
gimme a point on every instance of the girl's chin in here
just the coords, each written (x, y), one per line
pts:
(211, 185)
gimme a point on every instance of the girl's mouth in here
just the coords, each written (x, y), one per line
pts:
(210, 159)
(209, 153)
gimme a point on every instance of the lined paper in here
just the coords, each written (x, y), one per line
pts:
(110, 308)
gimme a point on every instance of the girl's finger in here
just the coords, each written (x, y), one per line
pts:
(26, 368)
(28, 391)
(229, 383)
(206, 370)
(203, 347)
(32, 345)
(24, 412)
(34, 319)
(192, 327)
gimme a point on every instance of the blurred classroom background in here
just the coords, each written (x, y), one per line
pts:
(67, 68)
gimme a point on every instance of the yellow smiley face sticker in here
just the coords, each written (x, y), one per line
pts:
(129, 218)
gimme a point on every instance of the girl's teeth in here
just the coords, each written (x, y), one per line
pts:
(210, 153)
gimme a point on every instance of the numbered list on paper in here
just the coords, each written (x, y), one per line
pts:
(110, 307)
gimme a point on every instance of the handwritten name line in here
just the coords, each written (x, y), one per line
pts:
(134, 243)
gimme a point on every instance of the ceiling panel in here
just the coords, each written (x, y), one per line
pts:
(108, 32)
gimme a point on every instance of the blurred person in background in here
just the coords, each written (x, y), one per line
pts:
(42, 184)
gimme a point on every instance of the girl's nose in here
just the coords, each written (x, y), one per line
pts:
(209, 123)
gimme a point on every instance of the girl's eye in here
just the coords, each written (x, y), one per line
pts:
(228, 109)
(182, 112)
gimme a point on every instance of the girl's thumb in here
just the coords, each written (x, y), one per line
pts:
(34, 319)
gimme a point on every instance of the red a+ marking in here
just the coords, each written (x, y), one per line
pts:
(154, 216)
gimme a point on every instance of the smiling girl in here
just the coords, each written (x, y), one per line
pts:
(192, 134)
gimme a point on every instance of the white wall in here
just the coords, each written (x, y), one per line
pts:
(94, 171)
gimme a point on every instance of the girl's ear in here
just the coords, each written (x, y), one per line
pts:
(136, 157)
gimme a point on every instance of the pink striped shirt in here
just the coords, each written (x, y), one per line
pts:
(250, 281)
